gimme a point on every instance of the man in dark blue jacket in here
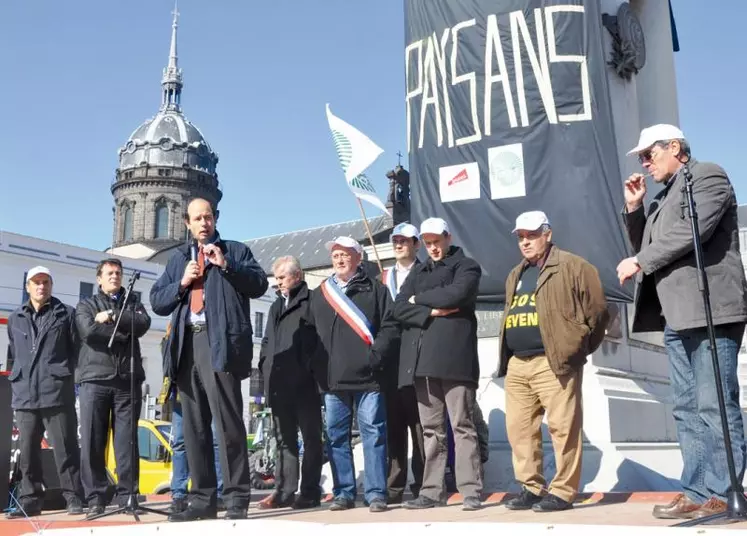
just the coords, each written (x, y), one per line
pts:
(206, 288)
(41, 356)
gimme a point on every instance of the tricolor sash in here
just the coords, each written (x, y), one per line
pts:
(390, 283)
(348, 311)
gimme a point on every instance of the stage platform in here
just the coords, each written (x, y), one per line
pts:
(611, 514)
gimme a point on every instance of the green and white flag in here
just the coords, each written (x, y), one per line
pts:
(356, 153)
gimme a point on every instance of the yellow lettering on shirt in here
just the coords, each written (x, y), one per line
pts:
(522, 320)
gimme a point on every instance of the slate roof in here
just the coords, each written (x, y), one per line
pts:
(308, 245)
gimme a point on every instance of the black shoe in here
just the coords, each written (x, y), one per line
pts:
(305, 503)
(95, 509)
(341, 503)
(470, 504)
(524, 501)
(421, 503)
(27, 511)
(395, 499)
(235, 512)
(178, 505)
(193, 514)
(552, 503)
(75, 507)
(377, 505)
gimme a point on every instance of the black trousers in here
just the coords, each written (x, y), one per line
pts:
(206, 394)
(103, 404)
(403, 417)
(293, 411)
(61, 424)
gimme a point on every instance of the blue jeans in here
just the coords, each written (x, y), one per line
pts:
(372, 425)
(705, 473)
(179, 466)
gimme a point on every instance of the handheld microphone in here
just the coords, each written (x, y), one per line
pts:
(193, 250)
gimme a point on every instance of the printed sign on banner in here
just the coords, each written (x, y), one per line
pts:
(459, 182)
(507, 104)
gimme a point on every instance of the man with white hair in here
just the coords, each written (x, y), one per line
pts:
(668, 298)
(436, 308)
(357, 337)
(290, 389)
(42, 352)
(555, 316)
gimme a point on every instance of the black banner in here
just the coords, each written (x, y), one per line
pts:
(507, 111)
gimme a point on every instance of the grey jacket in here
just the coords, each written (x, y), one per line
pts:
(668, 284)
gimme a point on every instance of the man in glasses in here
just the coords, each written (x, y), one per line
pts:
(668, 298)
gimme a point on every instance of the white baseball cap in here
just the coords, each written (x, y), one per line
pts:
(531, 221)
(346, 242)
(656, 133)
(36, 270)
(435, 226)
(407, 230)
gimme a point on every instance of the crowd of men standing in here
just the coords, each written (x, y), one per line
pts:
(397, 350)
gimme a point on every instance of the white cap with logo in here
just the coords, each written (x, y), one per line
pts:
(435, 226)
(656, 133)
(36, 270)
(406, 230)
(346, 242)
(531, 221)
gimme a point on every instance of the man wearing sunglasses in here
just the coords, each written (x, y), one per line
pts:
(668, 299)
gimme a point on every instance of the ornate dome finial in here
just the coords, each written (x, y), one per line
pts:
(172, 75)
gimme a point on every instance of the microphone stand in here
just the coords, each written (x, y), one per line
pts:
(131, 507)
(736, 503)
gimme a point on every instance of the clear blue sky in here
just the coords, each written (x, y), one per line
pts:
(78, 77)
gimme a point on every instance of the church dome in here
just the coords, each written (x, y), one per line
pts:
(168, 139)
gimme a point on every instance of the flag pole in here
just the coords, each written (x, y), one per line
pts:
(370, 236)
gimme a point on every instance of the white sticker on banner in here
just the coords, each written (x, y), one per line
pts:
(459, 182)
(506, 168)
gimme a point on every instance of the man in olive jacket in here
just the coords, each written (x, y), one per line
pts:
(436, 310)
(668, 298)
(555, 316)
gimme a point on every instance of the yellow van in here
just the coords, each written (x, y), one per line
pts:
(155, 456)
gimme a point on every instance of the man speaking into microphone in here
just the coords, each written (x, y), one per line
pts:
(206, 288)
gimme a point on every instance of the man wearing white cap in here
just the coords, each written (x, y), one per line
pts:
(357, 336)
(668, 298)
(42, 346)
(436, 308)
(555, 316)
(402, 404)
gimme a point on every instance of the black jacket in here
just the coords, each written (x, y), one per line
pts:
(288, 347)
(96, 361)
(343, 361)
(439, 347)
(42, 362)
(227, 307)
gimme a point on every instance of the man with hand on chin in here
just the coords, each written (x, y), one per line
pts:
(208, 353)
(668, 298)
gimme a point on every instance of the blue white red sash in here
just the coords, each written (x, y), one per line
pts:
(348, 311)
(390, 283)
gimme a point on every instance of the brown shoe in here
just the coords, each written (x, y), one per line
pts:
(680, 508)
(712, 507)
